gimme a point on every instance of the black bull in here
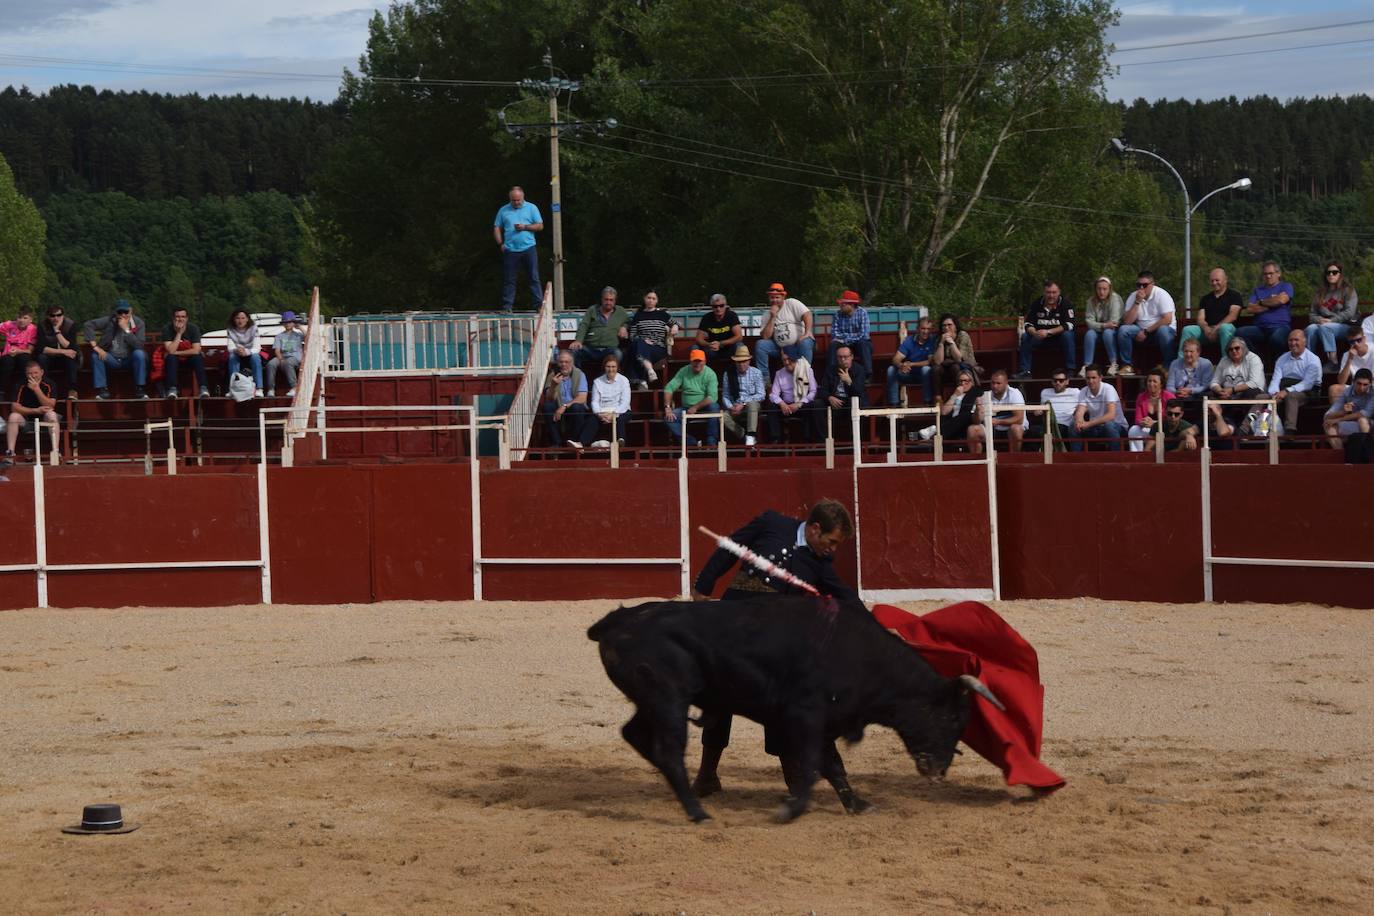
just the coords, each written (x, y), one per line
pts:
(810, 671)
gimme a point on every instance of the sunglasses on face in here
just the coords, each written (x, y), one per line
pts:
(1142, 285)
(1176, 414)
(1059, 380)
(1333, 273)
(1233, 349)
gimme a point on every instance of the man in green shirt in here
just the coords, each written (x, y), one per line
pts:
(600, 332)
(699, 387)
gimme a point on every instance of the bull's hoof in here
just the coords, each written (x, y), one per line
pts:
(698, 816)
(791, 809)
(706, 785)
(857, 805)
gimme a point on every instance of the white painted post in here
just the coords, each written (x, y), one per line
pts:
(684, 526)
(264, 533)
(40, 532)
(475, 498)
(992, 517)
(1206, 487)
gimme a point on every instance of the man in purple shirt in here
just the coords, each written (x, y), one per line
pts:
(794, 387)
(1269, 310)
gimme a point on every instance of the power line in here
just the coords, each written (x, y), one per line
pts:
(1180, 60)
(1207, 41)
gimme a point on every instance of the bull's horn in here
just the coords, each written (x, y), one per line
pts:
(972, 683)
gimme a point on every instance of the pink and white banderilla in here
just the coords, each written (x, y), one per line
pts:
(763, 563)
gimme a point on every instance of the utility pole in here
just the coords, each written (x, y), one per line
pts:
(551, 87)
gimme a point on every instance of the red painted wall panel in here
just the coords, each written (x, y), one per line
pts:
(923, 526)
(96, 518)
(544, 583)
(421, 532)
(17, 542)
(155, 588)
(321, 537)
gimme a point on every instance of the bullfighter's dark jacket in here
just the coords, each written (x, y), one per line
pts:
(774, 536)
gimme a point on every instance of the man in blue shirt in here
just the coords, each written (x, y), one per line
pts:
(1295, 374)
(1270, 310)
(912, 363)
(514, 229)
(1351, 409)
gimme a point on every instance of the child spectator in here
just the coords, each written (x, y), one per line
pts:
(19, 335)
(289, 347)
(35, 401)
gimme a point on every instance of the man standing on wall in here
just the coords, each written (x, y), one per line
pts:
(514, 230)
(804, 548)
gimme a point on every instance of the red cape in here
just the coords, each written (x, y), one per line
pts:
(969, 638)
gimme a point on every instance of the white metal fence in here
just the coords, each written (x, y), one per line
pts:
(425, 344)
(524, 408)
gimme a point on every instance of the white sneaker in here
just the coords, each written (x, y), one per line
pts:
(649, 372)
(573, 443)
(601, 443)
(641, 385)
(257, 392)
(271, 392)
(928, 433)
(171, 392)
(1083, 372)
(1112, 369)
(749, 440)
(291, 392)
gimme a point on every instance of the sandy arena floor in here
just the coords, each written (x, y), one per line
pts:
(467, 758)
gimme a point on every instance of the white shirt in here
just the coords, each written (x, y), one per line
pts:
(1368, 327)
(1097, 403)
(1011, 398)
(608, 396)
(787, 324)
(1154, 308)
(1356, 362)
(1064, 402)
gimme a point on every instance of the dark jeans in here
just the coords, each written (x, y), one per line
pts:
(10, 365)
(589, 359)
(573, 426)
(617, 427)
(634, 352)
(1030, 342)
(54, 365)
(806, 416)
(512, 262)
(1274, 339)
(171, 366)
(1109, 431)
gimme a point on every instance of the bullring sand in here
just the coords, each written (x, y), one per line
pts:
(440, 758)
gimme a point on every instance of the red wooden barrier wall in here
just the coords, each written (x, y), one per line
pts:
(379, 532)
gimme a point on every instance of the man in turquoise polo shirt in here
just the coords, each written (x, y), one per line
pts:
(514, 229)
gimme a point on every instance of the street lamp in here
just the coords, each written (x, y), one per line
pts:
(1189, 209)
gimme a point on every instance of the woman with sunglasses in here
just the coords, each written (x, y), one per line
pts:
(1335, 307)
(956, 414)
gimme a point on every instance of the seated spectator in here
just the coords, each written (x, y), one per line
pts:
(35, 402)
(288, 349)
(600, 332)
(1062, 399)
(245, 346)
(1217, 314)
(1296, 373)
(1102, 315)
(565, 403)
(181, 341)
(1270, 310)
(1048, 322)
(843, 382)
(912, 363)
(1148, 408)
(20, 337)
(953, 351)
(117, 343)
(1239, 376)
(1359, 356)
(956, 414)
(1098, 414)
(1149, 313)
(1006, 422)
(57, 349)
(650, 339)
(1190, 376)
(850, 326)
(700, 388)
(610, 402)
(794, 388)
(1335, 309)
(719, 332)
(786, 330)
(1351, 409)
(1179, 434)
(742, 395)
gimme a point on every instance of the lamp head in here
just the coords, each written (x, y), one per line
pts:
(1118, 145)
(1242, 184)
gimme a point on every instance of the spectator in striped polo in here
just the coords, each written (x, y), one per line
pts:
(651, 339)
(850, 326)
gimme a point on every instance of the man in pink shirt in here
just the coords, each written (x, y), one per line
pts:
(19, 336)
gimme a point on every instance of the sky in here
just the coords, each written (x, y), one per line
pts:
(181, 46)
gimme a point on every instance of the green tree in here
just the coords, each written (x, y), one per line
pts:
(22, 235)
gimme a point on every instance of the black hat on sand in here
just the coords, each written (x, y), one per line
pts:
(101, 819)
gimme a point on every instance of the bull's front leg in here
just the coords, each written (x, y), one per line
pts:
(832, 768)
(801, 760)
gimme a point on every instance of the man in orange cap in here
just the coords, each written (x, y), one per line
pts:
(850, 326)
(786, 330)
(700, 390)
